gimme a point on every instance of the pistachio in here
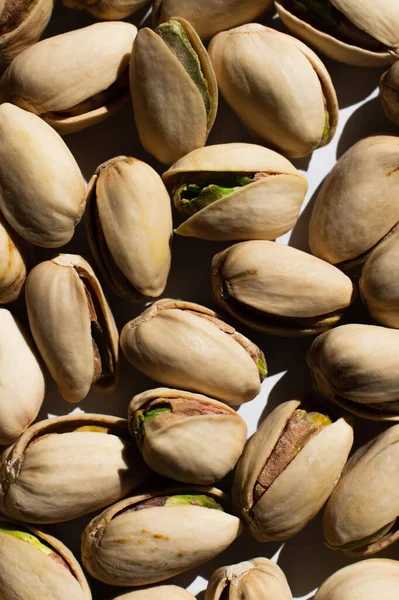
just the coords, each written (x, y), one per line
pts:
(129, 224)
(362, 34)
(278, 289)
(163, 533)
(160, 592)
(73, 80)
(110, 10)
(288, 470)
(12, 264)
(186, 345)
(186, 437)
(174, 90)
(236, 192)
(389, 93)
(85, 462)
(278, 87)
(72, 326)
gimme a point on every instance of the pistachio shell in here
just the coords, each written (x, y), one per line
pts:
(110, 10)
(12, 265)
(389, 93)
(160, 592)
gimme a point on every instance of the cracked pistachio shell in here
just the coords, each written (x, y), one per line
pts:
(169, 109)
(249, 580)
(365, 580)
(44, 568)
(357, 203)
(185, 345)
(160, 592)
(389, 93)
(129, 223)
(365, 501)
(75, 79)
(158, 541)
(85, 462)
(21, 396)
(109, 10)
(297, 494)
(264, 209)
(278, 87)
(42, 191)
(13, 266)
(278, 289)
(198, 441)
(73, 326)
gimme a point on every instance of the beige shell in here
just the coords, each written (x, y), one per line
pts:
(158, 542)
(186, 345)
(109, 10)
(60, 317)
(300, 491)
(160, 592)
(12, 264)
(265, 209)
(278, 87)
(22, 385)
(80, 471)
(60, 90)
(169, 110)
(356, 206)
(42, 191)
(380, 20)
(192, 448)
(129, 222)
(389, 93)
(278, 289)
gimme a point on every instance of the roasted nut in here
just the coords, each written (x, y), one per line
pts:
(164, 533)
(186, 437)
(362, 34)
(109, 10)
(161, 592)
(73, 80)
(85, 462)
(288, 470)
(357, 204)
(278, 289)
(250, 580)
(12, 265)
(278, 87)
(236, 192)
(129, 224)
(42, 191)
(72, 326)
(174, 90)
(389, 93)
(186, 345)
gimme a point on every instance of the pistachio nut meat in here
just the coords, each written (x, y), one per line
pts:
(356, 367)
(154, 536)
(129, 224)
(73, 80)
(85, 462)
(109, 10)
(356, 206)
(278, 289)
(159, 592)
(277, 86)
(73, 326)
(365, 580)
(361, 515)
(188, 346)
(22, 385)
(187, 437)
(13, 264)
(389, 93)
(235, 192)
(42, 190)
(288, 470)
(173, 88)
(249, 580)
(34, 564)
(364, 34)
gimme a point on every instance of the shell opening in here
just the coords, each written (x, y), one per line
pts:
(202, 500)
(14, 13)
(377, 537)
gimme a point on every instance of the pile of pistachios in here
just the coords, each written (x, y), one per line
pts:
(142, 486)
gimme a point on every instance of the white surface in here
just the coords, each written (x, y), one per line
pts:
(304, 559)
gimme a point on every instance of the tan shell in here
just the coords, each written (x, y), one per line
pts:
(80, 471)
(357, 203)
(292, 292)
(110, 10)
(158, 542)
(278, 87)
(192, 448)
(129, 223)
(265, 209)
(300, 491)
(160, 592)
(186, 345)
(12, 264)
(389, 93)
(170, 124)
(60, 321)
(45, 82)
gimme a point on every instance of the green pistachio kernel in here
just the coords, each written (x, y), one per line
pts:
(142, 417)
(326, 130)
(262, 367)
(25, 536)
(191, 500)
(375, 537)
